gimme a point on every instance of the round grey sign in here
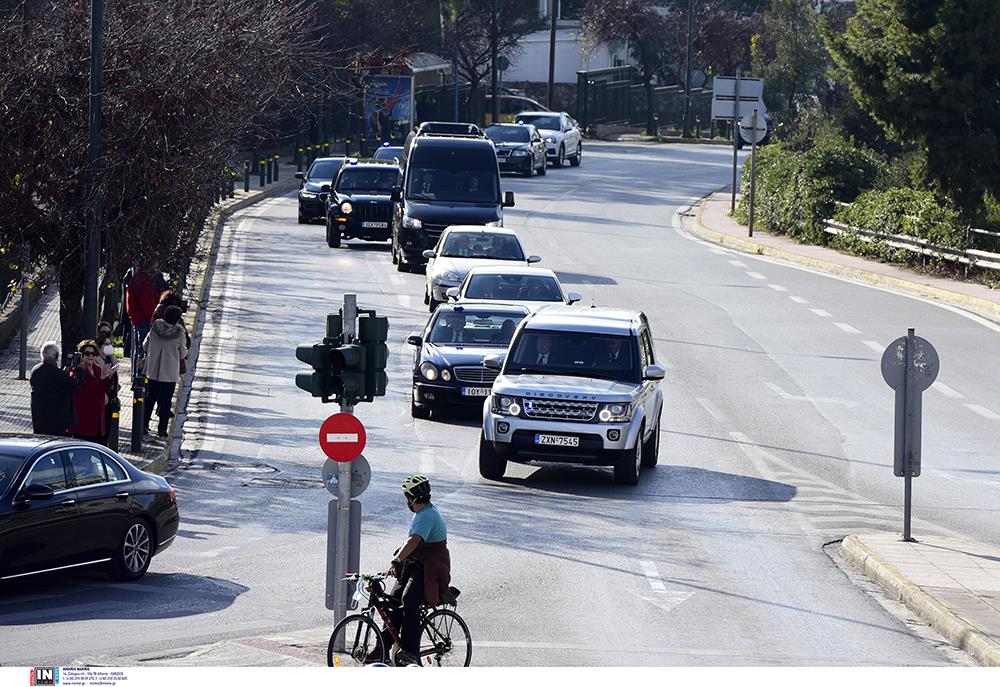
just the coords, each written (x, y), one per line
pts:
(747, 130)
(503, 64)
(924, 367)
(361, 476)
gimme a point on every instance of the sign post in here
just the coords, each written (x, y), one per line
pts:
(910, 365)
(736, 138)
(753, 129)
(733, 99)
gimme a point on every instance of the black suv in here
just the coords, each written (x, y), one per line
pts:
(312, 199)
(447, 180)
(359, 205)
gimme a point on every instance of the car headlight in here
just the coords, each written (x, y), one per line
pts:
(494, 223)
(518, 153)
(445, 374)
(429, 371)
(506, 405)
(307, 194)
(615, 412)
(450, 277)
(346, 208)
(550, 139)
(412, 223)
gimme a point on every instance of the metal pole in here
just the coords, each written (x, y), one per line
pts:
(549, 93)
(25, 307)
(350, 317)
(753, 165)
(93, 255)
(138, 394)
(495, 100)
(736, 137)
(908, 391)
(455, 74)
(687, 78)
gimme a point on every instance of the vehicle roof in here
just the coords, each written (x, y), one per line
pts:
(22, 445)
(482, 306)
(594, 320)
(512, 270)
(370, 163)
(508, 125)
(478, 229)
(547, 113)
(445, 141)
(325, 159)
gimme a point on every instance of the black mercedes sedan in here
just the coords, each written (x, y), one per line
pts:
(448, 366)
(359, 205)
(519, 148)
(66, 504)
(312, 197)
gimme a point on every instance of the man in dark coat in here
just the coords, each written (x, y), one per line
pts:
(52, 392)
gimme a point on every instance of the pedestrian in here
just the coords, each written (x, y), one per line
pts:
(107, 348)
(91, 397)
(165, 350)
(52, 392)
(141, 297)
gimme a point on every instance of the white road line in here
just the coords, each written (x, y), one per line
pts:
(980, 410)
(820, 312)
(426, 462)
(875, 346)
(846, 327)
(809, 399)
(717, 251)
(756, 275)
(652, 576)
(946, 390)
(395, 279)
(406, 301)
(777, 287)
(710, 409)
(737, 263)
(798, 299)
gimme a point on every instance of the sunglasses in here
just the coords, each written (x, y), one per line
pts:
(104, 332)
(91, 353)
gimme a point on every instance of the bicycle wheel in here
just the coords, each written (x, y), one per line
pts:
(355, 641)
(445, 640)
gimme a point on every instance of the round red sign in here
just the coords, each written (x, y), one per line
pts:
(342, 437)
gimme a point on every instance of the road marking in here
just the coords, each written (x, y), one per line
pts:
(846, 327)
(342, 438)
(756, 275)
(406, 301)
(426, 462)
(667, 601)
(946, 390)
(820, 312)
(652, 576)
(717, 251)
(798, 299)
(710, 409)
(737, 263)
(395, 279)
(777, 287)
(809, 399)
(980, 410)
(875, 346)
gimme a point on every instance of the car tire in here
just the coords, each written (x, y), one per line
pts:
(491, 466)
(560, 158)
(578, 158)
(302, 218)
(392, 252)
(419, 412)
(332, 235)
(427, 298)
(134, 551)
(401, 264)
(530, 171)
(651, 448)
(432, 304)
(544, 168)
(629, 463)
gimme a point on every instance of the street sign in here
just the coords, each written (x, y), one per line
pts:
(342, 437)
(503, 64)
(361, 476)
(751, 90)
(910, 369)
(753, 129)
(924, 364)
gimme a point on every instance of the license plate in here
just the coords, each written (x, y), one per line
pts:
(374, 225)
(555, 440)
(476, 390)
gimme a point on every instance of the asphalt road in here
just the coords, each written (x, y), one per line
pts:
(776, 439)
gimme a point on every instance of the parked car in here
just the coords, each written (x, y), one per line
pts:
(359, 205)
(312, 200)
(563, 138)
(576, 386)
(67, 504)
(532, 287)
(519, 148)
(463, 247)
(448, 363)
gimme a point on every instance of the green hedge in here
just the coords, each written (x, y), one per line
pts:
(906, 211)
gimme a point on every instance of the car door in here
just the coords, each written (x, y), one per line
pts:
(651, 392)
(537, 147)
(103, 495)
(40, 534)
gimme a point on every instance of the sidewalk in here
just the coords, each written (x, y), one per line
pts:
(712, 222)
(952, 584)
(15, 399)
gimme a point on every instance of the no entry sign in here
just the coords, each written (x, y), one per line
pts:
(342, 437)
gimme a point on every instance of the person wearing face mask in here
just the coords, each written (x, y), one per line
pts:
(112, 403)
(165, 351)
(90, 399)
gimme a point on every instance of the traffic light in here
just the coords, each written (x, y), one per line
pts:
(318, 382)
(373, 332)
(348, 373)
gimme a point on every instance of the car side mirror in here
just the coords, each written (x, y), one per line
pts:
(654, 372)
(396, 194)
(452, 293)
(532, 259)
(508, 199)
(300, 175)
(493, 362)
(37, 492)
(415, 340)
(573, 297)
(429, 254)
(325, 188)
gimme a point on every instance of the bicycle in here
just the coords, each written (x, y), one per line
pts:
(357, 639)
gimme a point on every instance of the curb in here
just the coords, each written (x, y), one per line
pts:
(955, 629)
(980, 306)
(199, 296)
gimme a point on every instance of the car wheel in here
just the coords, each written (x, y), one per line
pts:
(419, 412)
(629, 463)
(651, 448)
(134, 551)
(491, 466)
(392, 252)
(401, 265)
(302, 218)
(544, 168)
(432, 304)
(332, 235)
(530, 171)
(578, 158)
(427, 298)
(561, 158)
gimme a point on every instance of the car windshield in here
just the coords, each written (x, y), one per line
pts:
(482, 245)
(388, 153)
(368, 179)
(456, 175)
(471, 328)
(8, 466)
(324, 170)
(513, 287)
(582, 354)
(541, 121)
(508, 134)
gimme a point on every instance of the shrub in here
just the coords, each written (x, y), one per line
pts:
(906, 211)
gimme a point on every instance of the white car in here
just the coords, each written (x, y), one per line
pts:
(561, 133)
(532, 287)
(461, 248)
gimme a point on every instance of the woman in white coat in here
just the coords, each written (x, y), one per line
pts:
(165, 350)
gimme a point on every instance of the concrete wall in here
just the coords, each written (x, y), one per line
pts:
(532, 64)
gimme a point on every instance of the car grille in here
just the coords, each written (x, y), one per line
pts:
(475, 375)
(552, 409)
(433, 231)
(503, 153)
(372, 212)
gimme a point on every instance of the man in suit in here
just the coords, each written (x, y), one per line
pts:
(614, 358)
(543, 348)
(454, 328)
(52, 390)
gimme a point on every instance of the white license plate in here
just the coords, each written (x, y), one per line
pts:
(476, 390)
(554, 440)
(374, 225)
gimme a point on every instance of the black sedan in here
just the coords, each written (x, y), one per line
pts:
(448, 366)
(312, 198)
(359, 205)
(66, 504)
(519, 148)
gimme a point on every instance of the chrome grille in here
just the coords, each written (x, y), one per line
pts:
(558, 409)
(433, 231)
(475, 375)
(503, 152)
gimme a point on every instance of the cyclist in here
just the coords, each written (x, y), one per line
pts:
(422, 565)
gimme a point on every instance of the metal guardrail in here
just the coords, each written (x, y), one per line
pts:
(970, 256)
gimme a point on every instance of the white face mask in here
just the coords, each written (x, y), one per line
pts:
(108, 349)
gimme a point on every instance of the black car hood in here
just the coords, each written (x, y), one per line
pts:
(314, 186)
(513, 146)
(364, 198)
(459, 354)
(453, 213)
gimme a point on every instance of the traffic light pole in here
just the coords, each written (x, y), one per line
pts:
(350, 324)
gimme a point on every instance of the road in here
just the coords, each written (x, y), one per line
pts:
(776, 439)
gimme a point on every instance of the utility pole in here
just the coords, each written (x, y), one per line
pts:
(495, 99)
(92, 259)
(350, 333)
(553, 11)
(687, 78)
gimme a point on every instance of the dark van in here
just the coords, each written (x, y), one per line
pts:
(448, 180)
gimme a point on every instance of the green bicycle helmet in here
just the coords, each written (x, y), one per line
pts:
(417, 486)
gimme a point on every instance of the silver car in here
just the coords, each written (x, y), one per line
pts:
(561, 133)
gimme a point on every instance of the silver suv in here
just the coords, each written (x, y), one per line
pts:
(577, 386)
